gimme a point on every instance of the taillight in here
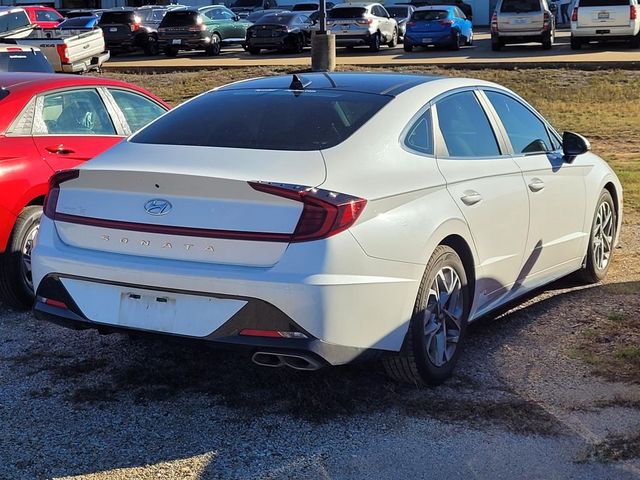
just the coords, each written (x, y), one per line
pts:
(63, 52)
(633, 13)
(411, 24)
(198, 28)
(324, 213)
(546, 21)
(14, 49)
(574, 15)
(135, 26)
(494, 23)
(51, 201)
(364, 21)
(446, 23)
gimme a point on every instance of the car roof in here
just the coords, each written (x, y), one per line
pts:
(376, 83)
(436, 7)
(355, 4)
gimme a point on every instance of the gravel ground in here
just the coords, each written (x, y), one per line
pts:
(82, 405)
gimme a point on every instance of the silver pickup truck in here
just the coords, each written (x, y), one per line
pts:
(69, 51)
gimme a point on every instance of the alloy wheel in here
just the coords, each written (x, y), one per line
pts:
(603, 231)
(442, 317)
(26, 249)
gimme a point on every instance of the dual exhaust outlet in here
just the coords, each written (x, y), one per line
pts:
(291, 360)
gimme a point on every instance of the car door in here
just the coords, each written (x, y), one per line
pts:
(487, 186)
(72, 126)
(386, 23)
(556, 189)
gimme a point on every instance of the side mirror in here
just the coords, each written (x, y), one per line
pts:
(574, 145)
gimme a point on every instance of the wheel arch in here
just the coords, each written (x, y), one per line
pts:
(463, 249)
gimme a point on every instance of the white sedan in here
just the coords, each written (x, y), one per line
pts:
(321, 219)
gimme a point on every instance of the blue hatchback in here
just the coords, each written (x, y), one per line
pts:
(441, 25)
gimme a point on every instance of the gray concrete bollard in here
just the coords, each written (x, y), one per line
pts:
(323, 52)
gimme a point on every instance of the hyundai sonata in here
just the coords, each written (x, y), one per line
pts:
(320, 219)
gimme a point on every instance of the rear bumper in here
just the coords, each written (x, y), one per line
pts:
(427, 38)
(89, 63)
(186, 42)
(330, 290)
(257, 42)
(521, 37)
(601, 32)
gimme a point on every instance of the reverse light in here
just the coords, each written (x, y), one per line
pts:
(63, 52)
(574, 15)
(51, 201)
(364, 21)
(324, 213)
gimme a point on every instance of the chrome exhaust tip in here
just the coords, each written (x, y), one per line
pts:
(265, 359)
(295, 361)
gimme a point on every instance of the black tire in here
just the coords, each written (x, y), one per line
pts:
(297, 44)
(576, 43)
(635, 41)
(16, 288)
(496, 44)
(214, 47)
(469, 41)
(254, 50)
(151, 47)
(394, 39)
(407, 47)
(456, 42)
(413, 364)
(171, 51)
(547, 42)
(374, 44)
(591, 273)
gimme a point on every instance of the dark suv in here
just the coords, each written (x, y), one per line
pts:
(124, 31)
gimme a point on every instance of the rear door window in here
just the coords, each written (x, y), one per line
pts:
(74, 112)
(526, 132)
(309, 120)
(520, 6)
(465, 127)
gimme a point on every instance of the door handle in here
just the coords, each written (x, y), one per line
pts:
(59, 149)
(536, 185)
(470, 197)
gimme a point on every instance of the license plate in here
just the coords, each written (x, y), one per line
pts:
(602, 32)
(603, 15)
(176, 41)
(427, 40)
(344, 30)
(146, 309)
(520, 21)
(113, 29)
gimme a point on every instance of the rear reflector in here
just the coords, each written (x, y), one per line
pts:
(54, 303)
(324, 213)
(574, 15)
(247, 332)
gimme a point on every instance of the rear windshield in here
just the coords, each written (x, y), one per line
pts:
(116, 17)
(275, 19)
(398, 11)
(245, 3)
(520, 6)
(305, 7)
(603, 3)
(350, 12)
(78, 22)
(13, 21)
(179, 19)
(28, 61)
(311, 120)
(429, 15)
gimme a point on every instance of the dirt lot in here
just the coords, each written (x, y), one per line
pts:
(550, 389)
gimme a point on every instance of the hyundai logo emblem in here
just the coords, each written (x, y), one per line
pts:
(158, 207)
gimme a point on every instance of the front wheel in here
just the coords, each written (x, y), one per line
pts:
(16, 280)
(603, 234)
(394, 39)
(434, 339)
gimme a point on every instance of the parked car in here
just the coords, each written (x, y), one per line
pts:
(152, 15)
(207, 28)
(81, 12)
(253, 17)
(243, 8)
(43, 17)
(522, 21)
(124, 31)
(280, 31)
(14, 58)
(356, 24)
(604, 21)
(310, 7)
(240, 233)
(71, 51)
(49, 123)
(79, 23)
(401, 14)
(440, 26)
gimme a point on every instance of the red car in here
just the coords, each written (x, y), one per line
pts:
(47, 123)
(43, 17)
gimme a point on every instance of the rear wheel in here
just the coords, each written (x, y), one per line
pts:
(496, 44)
(171, 52)
(469, 41)
(603, 233)
(16, 281)
(433, 342)
(394, 39)
(374, 44)
(547, 42)
(297, 44)
(455, 44)
(214, 46)
(576, 43)
(407, 46)
(254, 50)
(635, 41)
(151, 47)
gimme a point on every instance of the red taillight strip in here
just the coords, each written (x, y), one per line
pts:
(172, 230)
